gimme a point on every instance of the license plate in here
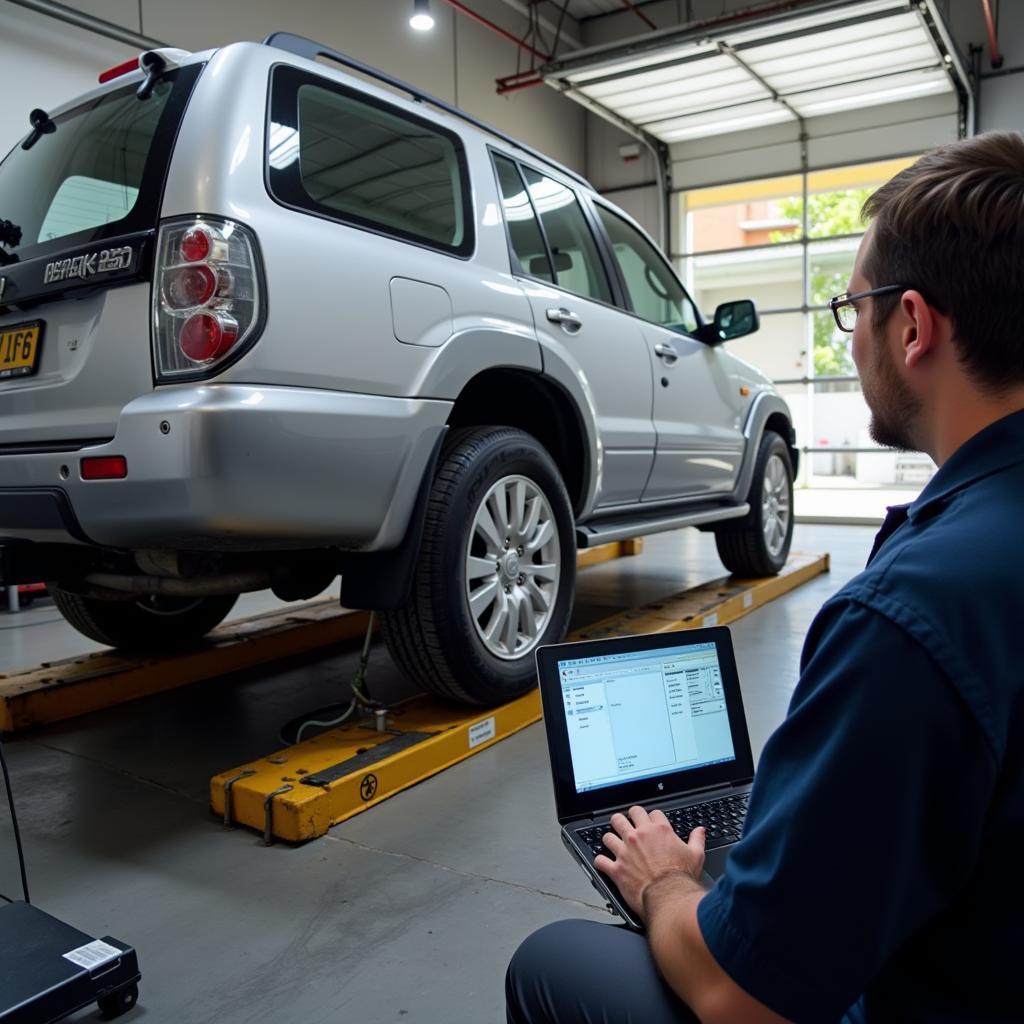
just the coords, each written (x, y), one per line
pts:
(19, 349)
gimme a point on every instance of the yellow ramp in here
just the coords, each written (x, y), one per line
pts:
(298, 793)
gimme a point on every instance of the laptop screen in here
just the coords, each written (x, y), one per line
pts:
(636, 718)
(637, 715)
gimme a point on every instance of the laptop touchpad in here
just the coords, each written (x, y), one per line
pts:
(714, 864)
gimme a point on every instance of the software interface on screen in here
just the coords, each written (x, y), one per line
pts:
(632, 716)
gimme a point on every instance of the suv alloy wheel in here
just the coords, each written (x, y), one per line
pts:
(758, 544)
(496, 574)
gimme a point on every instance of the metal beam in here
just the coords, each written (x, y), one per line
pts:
(98, 26)
(959, 72)
(608, 53)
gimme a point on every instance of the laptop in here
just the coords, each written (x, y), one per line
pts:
(654, 720)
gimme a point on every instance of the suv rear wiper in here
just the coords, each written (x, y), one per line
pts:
(41, 125)
(10, 235)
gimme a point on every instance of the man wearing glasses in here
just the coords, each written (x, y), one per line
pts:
(880, 873)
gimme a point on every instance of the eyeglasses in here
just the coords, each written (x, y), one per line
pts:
(845, 311)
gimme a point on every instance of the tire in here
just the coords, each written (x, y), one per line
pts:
(758, 544)
(482, 654)
(148, 624)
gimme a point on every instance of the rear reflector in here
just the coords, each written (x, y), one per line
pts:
(122, 69)
(107, 467)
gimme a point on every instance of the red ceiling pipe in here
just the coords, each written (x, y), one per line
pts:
(481, 20)
(993, 42)
(640, 14)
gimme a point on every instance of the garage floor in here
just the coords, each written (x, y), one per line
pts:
(406, 913)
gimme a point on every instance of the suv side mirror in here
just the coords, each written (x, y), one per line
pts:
(732, 320)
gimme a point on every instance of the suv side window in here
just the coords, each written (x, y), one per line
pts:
(577, 265)
(654, 290)
(523, 231)
(339, 154)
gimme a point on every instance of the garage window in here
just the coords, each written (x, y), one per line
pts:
(789, 243)
(343, 155)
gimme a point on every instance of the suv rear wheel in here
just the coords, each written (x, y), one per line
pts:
(496, 575)
(758, 545)
(150, 623)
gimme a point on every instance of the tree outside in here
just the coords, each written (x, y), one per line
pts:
(828, 214)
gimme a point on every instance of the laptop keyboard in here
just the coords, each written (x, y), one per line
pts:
(723, 819)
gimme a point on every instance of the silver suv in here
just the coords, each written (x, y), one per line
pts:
(263, 323)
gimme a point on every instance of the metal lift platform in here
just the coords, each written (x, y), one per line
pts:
(298, 793)
(58, 690)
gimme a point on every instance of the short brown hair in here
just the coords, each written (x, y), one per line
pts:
(952, 226)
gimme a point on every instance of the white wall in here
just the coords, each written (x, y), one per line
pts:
(458, 61)
(50, 64)
(1001, 93)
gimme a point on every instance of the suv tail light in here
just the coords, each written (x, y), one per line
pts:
(207, 306)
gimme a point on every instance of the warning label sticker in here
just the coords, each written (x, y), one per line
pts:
(93, 954)
(481, 732)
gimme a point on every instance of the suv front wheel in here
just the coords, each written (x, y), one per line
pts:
(758, 544)
(496, 574)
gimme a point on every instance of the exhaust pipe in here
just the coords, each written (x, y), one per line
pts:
(206, 586)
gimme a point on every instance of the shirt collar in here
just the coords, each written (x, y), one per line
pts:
(998, 446)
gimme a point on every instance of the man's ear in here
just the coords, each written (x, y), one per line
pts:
(922, 328)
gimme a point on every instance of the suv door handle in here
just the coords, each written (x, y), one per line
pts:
(666, 352)
(569, 321)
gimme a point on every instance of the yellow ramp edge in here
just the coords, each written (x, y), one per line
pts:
(300, 792)
(75, 686)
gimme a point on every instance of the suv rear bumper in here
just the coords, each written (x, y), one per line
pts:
(234, 467)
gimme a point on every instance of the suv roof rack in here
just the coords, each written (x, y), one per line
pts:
(310, 49)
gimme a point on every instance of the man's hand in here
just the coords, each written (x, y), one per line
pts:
(646, 849)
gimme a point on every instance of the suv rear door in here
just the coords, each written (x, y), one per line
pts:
(556, 256)
(82, 204)
(697, 405)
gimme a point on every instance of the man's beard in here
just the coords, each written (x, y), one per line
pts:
(894, 409)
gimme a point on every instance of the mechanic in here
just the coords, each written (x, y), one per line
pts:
(879, 875)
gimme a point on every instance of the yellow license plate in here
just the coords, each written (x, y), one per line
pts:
(19, 349)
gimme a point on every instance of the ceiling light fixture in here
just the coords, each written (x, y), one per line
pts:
(421, 19)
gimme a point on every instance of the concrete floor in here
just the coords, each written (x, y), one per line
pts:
(409, 912)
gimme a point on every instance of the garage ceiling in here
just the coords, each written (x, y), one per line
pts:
(678, 86)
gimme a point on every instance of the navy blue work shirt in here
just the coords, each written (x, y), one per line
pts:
(881, 873)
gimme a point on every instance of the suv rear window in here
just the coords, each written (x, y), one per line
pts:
(98, 174)
(339, 154)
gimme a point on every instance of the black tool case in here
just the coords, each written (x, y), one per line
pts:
(40, 984)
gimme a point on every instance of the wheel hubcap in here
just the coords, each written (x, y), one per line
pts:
(512, 567)
(775, 508)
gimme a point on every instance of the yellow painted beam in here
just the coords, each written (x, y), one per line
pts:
(713, 604)
(440, 736)
(76, 686)
(609, 552)
(60, 690)
(308, 810)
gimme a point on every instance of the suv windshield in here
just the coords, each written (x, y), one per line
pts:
(98, 174)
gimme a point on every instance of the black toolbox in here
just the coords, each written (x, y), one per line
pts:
(48, 969)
